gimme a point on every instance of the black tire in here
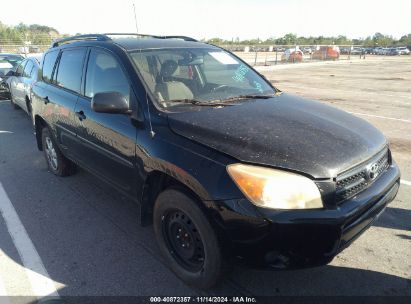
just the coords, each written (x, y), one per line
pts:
(205, 266)
(28, 105)
(57, 163)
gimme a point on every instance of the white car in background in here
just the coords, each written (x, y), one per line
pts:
(307, 50)
(8, 64)
(403, 50)
(21, 82)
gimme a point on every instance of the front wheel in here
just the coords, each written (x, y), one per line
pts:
(187, 240)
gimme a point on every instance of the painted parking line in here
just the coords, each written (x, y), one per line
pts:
(383, 117)
(37, 275)
(404, 182)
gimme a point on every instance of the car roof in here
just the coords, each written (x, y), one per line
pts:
(35, 57)
(131, 42)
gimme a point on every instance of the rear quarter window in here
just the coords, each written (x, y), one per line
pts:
(48, 65)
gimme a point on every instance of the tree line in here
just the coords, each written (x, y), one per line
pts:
(20, 34)
(41, 35)
(377, 39)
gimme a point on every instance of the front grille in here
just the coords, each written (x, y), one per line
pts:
(360, 177)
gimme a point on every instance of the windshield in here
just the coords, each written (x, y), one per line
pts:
(201, 74)
(9, 63)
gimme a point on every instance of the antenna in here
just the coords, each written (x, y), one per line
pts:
(135, 17)
(152, 133)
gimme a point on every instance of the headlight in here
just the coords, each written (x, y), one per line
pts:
(275, 189)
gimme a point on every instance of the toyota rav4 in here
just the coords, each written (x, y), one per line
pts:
(225, 166)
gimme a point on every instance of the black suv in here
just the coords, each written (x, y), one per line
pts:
(226, 167)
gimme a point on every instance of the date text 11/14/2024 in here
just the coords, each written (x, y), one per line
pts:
(235, 299)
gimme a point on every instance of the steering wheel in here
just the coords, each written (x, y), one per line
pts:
(220, 87)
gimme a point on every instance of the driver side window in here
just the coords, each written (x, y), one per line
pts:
(104, 74)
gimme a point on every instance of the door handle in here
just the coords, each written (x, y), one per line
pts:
(46, 100)
(81, 116)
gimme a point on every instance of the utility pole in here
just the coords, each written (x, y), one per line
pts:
(135, 17)
(25, 44)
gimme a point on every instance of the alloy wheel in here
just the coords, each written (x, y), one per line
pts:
(51, 154)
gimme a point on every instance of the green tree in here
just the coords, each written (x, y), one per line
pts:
(34, 34)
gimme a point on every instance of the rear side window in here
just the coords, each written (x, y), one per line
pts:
(104, 74)
(28, 68)
(48, 65)
(70, 69)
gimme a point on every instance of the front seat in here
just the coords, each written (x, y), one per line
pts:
(167, 88)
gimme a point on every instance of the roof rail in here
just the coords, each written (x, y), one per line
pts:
(185, 38)
(98, 37)
(104, 37)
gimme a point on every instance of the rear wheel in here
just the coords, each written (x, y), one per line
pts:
(28, 105)
(56, 161)
(187, 240)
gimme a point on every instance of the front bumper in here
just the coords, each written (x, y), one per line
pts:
(302, 238)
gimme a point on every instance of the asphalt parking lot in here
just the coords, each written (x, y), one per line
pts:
(88, 238)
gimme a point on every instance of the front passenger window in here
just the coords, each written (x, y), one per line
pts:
(104, 74)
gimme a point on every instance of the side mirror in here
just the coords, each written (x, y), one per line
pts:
(110, 102)
(11, 73)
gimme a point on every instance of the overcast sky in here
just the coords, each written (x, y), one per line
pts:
(216, 18)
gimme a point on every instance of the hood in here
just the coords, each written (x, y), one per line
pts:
(284, 131)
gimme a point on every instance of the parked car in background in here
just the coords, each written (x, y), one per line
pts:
(393, 52)
(307, 50)
(292, 55)
(34, 49)
(21, 82)
(376, 50)
(327, 53)
(344, 50)
(385, 51)
(8, 64)
(357, 51)
(403, 50)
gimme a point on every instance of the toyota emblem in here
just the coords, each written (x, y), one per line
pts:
(372, 171)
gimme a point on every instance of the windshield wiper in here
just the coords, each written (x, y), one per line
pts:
(209, 103)
(223, 102)
(249, 96)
